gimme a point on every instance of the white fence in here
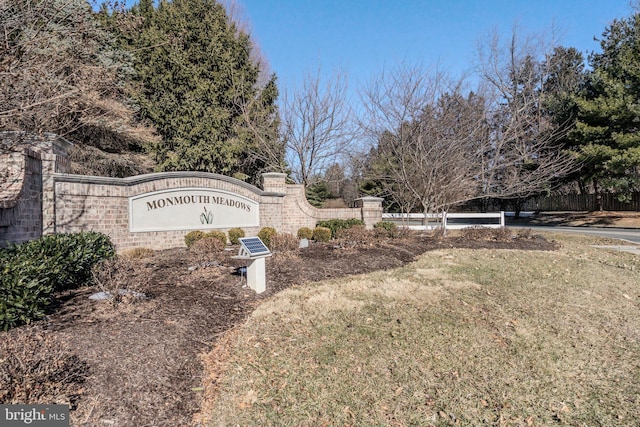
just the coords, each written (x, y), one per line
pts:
(450, 221)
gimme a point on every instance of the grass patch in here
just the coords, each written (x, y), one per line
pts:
(464, 337)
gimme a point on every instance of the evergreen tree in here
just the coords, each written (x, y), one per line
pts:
(607, 130)
(199, 87)
(566, 78)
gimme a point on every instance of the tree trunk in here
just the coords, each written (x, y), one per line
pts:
(517, 207)
(596, 189)
(443, 222)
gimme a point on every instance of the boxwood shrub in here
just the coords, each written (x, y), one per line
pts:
(193, 236)
(335, 225)
(235, 234)
(321, 234)
(305, 233)
(265, 234)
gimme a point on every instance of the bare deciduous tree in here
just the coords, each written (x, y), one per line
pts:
(59, 73)
(237, 16)
(316, 126)
(525, 155)
(437, 148)
(427, 137)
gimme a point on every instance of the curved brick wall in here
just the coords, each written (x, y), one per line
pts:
(38, 198)
(102, 204)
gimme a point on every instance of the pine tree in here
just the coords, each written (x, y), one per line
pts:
(607, 132)
(199, 87)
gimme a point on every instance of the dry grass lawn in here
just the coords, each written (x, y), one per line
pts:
(460, 337)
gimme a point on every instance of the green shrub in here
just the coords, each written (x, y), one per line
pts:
(321, 234)
(22, 299)
(235, 234)
(388, 227)
(32, 271)
(335, 225)
(218, 235)
(64, 260)
(305, 233)
(193, 236)
(265, 234)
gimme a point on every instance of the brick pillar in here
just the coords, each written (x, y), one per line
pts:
(274, 182)
(55, 159)
(60, 147)
(48, 194)
(371, 208)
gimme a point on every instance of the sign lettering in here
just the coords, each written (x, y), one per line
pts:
(191, 209)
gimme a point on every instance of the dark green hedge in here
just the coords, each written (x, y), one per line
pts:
(335, 225)
(32, 271)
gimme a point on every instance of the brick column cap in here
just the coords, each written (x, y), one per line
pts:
(371, 199)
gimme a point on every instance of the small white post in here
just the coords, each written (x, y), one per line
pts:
(253, 250)
(502, 219)
(256, 275)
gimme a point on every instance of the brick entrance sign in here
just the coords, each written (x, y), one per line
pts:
(38, 197)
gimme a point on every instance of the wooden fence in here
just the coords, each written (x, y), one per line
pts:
(582, 202)
(564, 202)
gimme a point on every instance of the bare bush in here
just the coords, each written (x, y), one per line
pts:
(380, 233)
(402, 233)
(138, 253)
(438, 233)
(475, 233)
(284, 242)
(501, 234)
(524, 233)
(59, 72)
(204, 250)
(39, 369)
(355, 236)
(113, 276)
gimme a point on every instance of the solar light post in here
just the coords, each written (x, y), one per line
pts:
(255, 251)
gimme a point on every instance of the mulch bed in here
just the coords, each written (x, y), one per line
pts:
(141, 359)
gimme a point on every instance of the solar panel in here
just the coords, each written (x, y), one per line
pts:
(253, 247)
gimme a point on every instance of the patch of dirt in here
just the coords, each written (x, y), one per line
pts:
(143, 357)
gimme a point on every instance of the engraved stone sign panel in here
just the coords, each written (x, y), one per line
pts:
(191, 209)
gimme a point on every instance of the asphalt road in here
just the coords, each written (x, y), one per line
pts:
(628, 234)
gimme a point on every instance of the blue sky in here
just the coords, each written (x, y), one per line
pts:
(360, 37)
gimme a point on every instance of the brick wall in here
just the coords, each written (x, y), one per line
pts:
(298, 212)
(101, 204)
(21, 198)
(27, 165)
(43, 199)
